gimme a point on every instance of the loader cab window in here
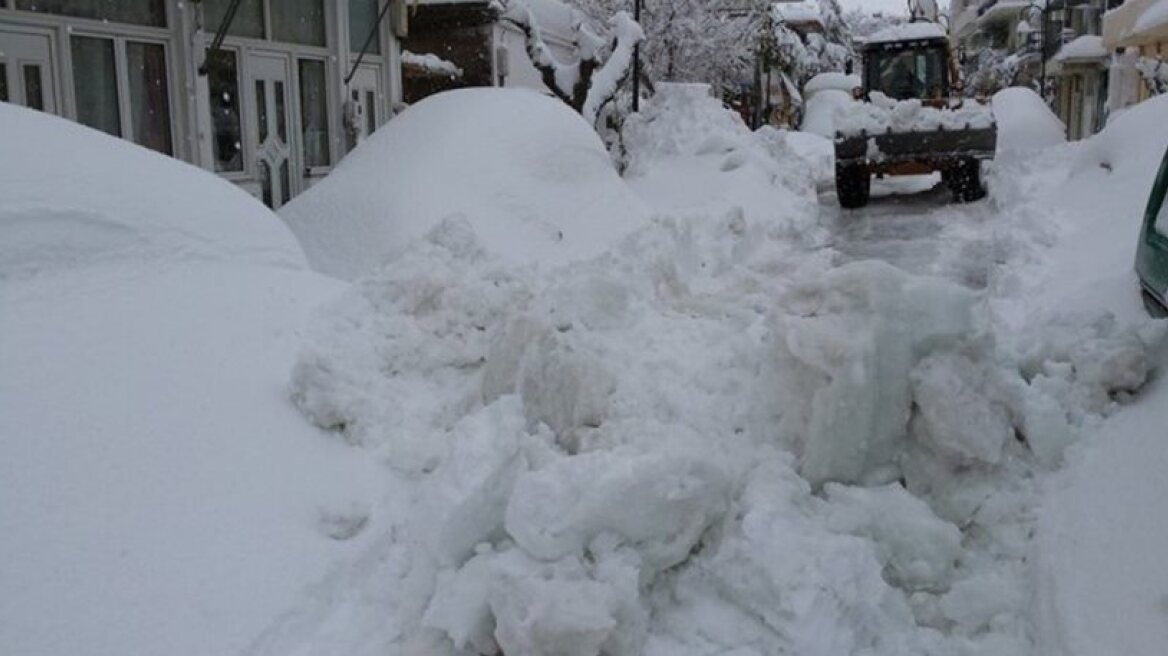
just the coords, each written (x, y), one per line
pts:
(908, 73)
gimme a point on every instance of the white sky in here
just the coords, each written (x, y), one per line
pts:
(887, 6)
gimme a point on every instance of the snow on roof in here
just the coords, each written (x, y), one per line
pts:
(1004, 9)
(799, 12)
(1088, 46)
(907, 32)
(1154, 17)
(833, 80)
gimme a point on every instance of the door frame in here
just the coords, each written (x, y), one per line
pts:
(291, 116)
(55, 87)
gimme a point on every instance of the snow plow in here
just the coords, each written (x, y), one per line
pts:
(910, 119)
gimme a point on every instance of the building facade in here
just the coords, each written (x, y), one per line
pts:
(293, 86)
(1137, 35)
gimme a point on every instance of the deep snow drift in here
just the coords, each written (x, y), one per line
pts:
(158, 492)
(712, 434)
(528, 174)
(711, 438)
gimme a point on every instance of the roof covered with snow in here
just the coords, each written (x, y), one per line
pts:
(1086, 47)
(907, 32)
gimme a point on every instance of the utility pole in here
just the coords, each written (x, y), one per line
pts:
(637, 61)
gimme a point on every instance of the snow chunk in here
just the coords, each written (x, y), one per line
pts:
(527, 174)
(658, 504)
(956, 417)
(1025, 122)
(849, 341)
(910, 115)
(919, 551)
(832, 80)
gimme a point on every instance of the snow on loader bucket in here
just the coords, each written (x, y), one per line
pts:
(907, 121)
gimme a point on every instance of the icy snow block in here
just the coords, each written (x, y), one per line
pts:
(562, 386)
(657, 504)
(467, 495)
(956, 416)
(511, 602)
(919, 550)
(848, 341)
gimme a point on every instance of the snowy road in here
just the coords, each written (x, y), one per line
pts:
(913, 224)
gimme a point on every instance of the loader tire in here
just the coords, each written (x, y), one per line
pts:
(853, 185)
(965, 181)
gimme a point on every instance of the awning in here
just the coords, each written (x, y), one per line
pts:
(1136, 23)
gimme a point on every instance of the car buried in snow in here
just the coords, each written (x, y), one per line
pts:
(911, 118)
(1152, 252)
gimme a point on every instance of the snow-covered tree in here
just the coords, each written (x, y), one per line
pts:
(1154, 73)
(592, 80)
(713, 41)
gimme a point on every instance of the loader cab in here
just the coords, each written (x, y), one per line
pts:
(903, 70)
(1152, 252)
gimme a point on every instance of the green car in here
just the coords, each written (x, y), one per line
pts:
(1152, 254)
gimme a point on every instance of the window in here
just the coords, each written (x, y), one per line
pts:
(248, 21)
(298, 21)
(95, 84)
(223, 87)
(3, 81)
(362, 17)
(137, 12)
(904, 74)
(314, 112)
(34, 88)
(149, 95)
(370, 113)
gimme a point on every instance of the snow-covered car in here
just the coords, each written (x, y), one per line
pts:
(1152, 253)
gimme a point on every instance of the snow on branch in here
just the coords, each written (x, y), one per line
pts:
(430, 64)
(1155, 74)
(591, 81)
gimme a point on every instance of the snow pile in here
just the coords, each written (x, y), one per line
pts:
(112, 218)
(158, 493)
(884, 113)
(688, 152)
(533, 180)
(430, 63)
(591, 455)
(832, 80)
(680, 119)
(1024, 121)
(827, 94)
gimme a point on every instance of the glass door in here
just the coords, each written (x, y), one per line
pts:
(362, 117)
(26, 70)
(271, 93)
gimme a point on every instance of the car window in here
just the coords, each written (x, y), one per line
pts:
(1161, 220)
(909, 73)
